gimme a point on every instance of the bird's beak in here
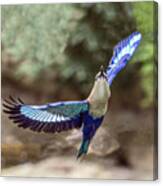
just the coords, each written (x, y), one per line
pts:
(102, 72)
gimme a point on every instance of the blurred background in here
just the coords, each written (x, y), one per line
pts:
(53, 52)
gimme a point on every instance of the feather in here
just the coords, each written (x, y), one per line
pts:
(123, 52)
(53, 117)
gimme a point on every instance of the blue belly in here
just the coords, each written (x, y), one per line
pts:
(91, 125)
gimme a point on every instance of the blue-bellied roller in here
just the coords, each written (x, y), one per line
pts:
(87, 114)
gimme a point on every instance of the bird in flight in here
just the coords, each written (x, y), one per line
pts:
(87, 114)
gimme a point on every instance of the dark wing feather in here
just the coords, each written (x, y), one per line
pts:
(52, 117)
(123, 52)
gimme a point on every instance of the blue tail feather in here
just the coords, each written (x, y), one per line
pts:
(84, 148)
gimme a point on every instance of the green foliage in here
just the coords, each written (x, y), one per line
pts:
(37, 35)
(69, 42)
(146, 22)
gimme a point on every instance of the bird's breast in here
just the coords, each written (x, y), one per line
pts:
(98, 109)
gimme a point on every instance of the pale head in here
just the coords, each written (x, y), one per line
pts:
(99, 95)
(101, 90)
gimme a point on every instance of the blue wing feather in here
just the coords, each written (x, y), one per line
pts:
(52, 117)
(123, 52)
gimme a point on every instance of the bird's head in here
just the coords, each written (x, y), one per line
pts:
(101, 74)
(101, 91)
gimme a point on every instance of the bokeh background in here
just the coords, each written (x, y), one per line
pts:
(52, 52)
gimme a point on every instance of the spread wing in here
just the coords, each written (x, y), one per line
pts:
(52, 117)
(123, 52)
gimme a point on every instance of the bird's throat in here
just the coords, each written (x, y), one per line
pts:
(98, 98)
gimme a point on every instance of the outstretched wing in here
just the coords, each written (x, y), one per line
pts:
(123, 52)
(52, 117)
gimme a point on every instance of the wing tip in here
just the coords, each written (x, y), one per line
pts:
(11, 105)
(13, 101)
(138, 35)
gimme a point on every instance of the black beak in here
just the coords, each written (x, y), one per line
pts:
(102, 71)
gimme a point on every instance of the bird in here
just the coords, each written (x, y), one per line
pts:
(87, 114)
